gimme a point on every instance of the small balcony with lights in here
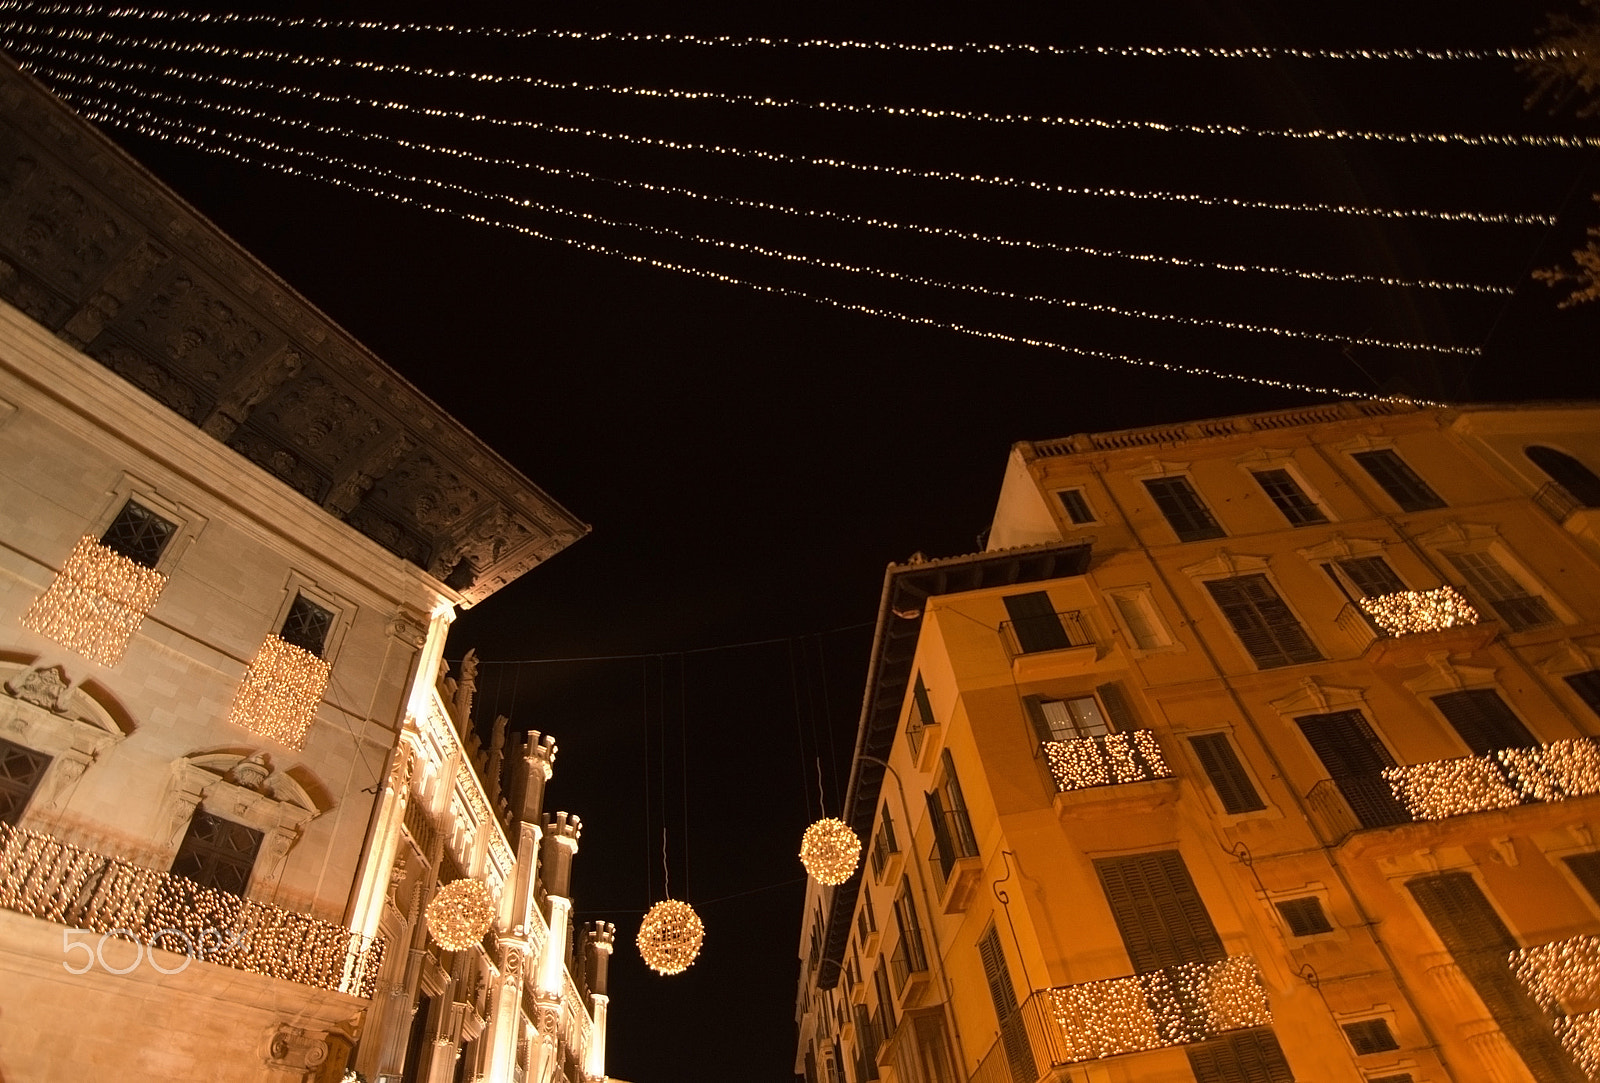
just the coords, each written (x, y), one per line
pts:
(1050, 645)
(1403, 627)
(954, 860)
(1176, 1006)
(1103, 773)
(1442, 789)
(1563, 977)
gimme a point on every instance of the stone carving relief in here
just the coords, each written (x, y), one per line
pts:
(60, 232)
(314, 414)
(162, 385)
(252, 390)
(273, 457)
(292, 1049)
(125, 279)
(344, 497)
(42, 709)
(189, 324)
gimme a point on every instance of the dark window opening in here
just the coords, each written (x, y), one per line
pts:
(1076, 506)
(1304, 917)
(1035, 622)
(1183, 509)
(1397, 479)
(307, 625)
(1509, 599)
(138, 534)
(217, 853)
(1483, 720)
(1158, 911)
(21, 770)
(1587, 685)
(1287, 496)
(1578, 480)
(1367, 577)
(1370, 1036)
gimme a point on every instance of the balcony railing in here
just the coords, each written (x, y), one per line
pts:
(1048, 632)
(1557, 502)
(46, 878)
(909, 958)
(1108, 760)
(1439, 789)
(952, 840)
(1181, 1005)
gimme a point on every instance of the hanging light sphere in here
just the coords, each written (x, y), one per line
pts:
(670, 936)
(829, 850)
(460, 913)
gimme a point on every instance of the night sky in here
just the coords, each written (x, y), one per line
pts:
(751, 462)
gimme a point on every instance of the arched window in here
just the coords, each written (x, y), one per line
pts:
(1567, 472)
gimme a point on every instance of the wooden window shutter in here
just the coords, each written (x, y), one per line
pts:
(1221, 765)
(1041, 724)
(1266, 626)
(1013, 1032)
(1345, 744)
(1158, 911)
(1243, 1056)
(1372, 576)
(1479, 942)
(1118, 710)
(1483, 720)
(1034, 620)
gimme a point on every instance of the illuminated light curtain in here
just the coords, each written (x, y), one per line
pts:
(280, 692)
(1419, 610)
(96, 602)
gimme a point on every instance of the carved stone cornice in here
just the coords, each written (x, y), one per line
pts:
(99, 252)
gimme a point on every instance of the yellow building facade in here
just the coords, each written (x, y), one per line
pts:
(1256, 749)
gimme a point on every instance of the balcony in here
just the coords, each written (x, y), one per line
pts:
(1113, 759)
(1071, 1024)
(1564, 977)
(954, 860)
(1440, 789)
(1049, 645)
(45, 878)
(908, 967)
(1384, 619)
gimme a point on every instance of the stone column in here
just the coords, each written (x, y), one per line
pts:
(599, 937)
(555, 872)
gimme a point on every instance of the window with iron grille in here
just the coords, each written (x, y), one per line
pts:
(1228, 777)
(1355, 759)
(884, 845)
(1370, 1036)
(1587, 685)
(307, 625)
(1287, 496)
(1183, 509)
(1304, 917)
(1508, 598)
(910, 929)
(1264, 623)
(138, 534)
(21, 770)
(217, 853)
(1397, 479)
(1483, 720)
(1077, 508)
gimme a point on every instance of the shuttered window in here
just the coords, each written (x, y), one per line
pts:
(1013, 1034)
(1483, 720)
(1355, 758)
(1264, 624)
(1287, 496)
(1370, 1036)
(21, 769)
(1242, 1056)
(1371, 576)
(1508, 598)
(1397, 479)
(1304, 917)
(1479, 942)
(1035, 623)
(1221, 765)
(1076, 507)
(1158, 911)
(1183, 509)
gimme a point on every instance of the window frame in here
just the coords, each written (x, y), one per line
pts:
(1208, 530)
(1227, 742)
(1404, 487)
(343, 611)
(1141, 598)
(1266, 578)
(1512, 569)
(1081, 495)
(1299, 489)
(186, 522)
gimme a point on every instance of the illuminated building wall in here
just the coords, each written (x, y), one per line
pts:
(232, 772)
(1261, 748)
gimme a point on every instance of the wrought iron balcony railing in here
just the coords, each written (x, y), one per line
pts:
(1439, 789)
(952, 840)
(1108, 760)
(1070, 1024)
(908, 958)
(43, 877)
(1047, 632)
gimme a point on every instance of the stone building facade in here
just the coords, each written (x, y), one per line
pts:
(232, 774)
(1255, 749)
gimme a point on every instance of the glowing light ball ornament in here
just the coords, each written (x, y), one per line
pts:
(670, 937)
(460, 914)
(829, 850)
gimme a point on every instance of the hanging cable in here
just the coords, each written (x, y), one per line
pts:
(1044, 187)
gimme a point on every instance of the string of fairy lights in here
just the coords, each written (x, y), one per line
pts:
(247, 113)
(746, 248)
(210, 49)
(95, 602)
(28, 48)
(1257, 52)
